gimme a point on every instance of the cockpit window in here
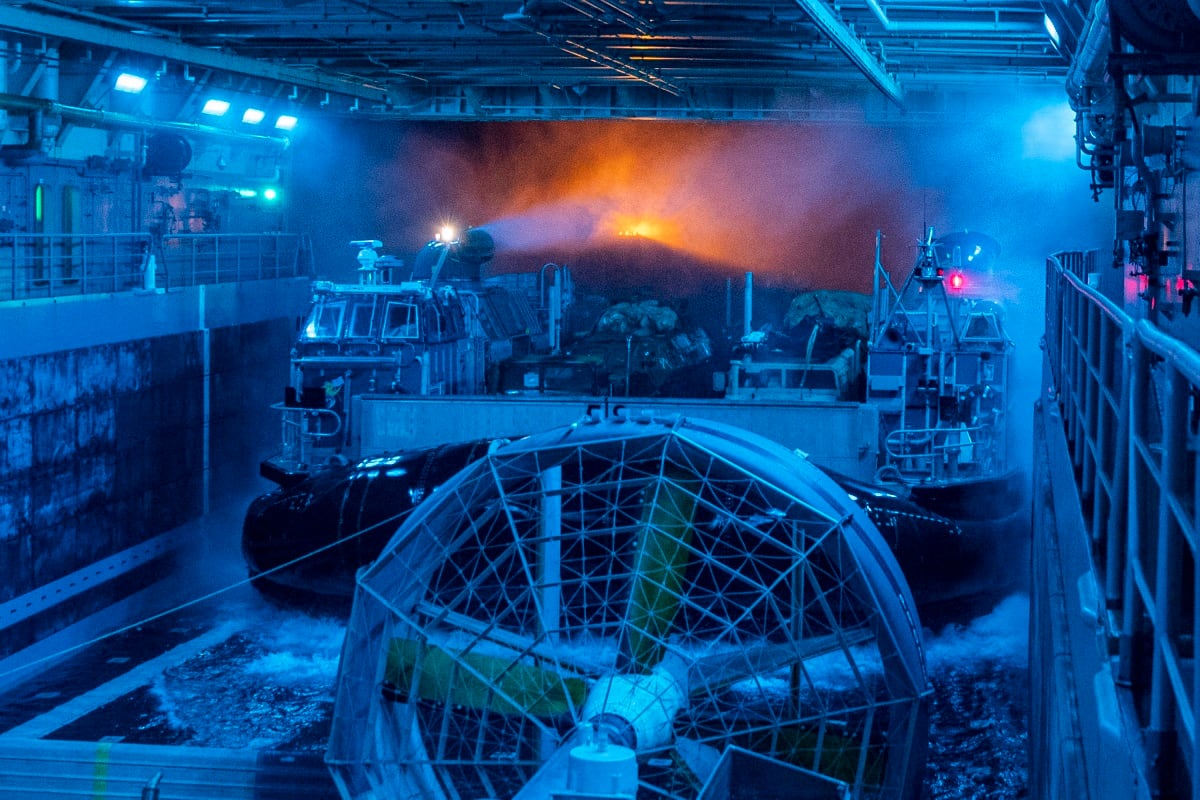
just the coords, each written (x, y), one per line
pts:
(983, 326)
(361, 316)
(401, 321)
(325, 321)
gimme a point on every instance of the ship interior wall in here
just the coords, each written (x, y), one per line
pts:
(109, 448)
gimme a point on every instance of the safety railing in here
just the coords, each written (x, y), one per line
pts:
(53, 265)
(56, 265)
(1128, 395)
(192, 259)
(936, 454)
(304, 431)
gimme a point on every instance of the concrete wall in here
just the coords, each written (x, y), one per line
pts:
(121, 418)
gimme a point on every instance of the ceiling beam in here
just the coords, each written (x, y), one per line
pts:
(16, 19)
(844, 39)
(580, 50)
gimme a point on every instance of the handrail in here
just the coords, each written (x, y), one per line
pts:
(50, 265)
(927, 436)
(299, 436)
(1128, 395)
(1170, 349)
(36, 265)
(1110, 308)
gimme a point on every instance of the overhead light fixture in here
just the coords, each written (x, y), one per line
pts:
(129, 83)
(286, 122)
(215, 108)
(1051, 29)
(253, 116)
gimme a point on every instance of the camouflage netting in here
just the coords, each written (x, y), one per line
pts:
(846, 310)
(639, 319)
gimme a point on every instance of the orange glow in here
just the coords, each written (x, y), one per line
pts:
(643, 228)
(797, 205)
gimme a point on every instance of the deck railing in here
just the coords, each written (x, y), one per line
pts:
(1129, 396)
(55, 265)
(229, 257)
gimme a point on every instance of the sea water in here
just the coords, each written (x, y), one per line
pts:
(979, 715)
(271, 685)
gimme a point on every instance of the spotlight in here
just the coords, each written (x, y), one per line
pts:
(129, 83)
(286, 122)
(215, 108)
(253, 116)
(269, 193)
(1051, 29)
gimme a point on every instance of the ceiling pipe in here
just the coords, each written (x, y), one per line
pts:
(579, 50)
(853, 48)
(109, 119)
(953, 26)
(597, 9)
(1090, 61)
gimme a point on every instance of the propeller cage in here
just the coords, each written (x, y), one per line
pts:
(725, 588)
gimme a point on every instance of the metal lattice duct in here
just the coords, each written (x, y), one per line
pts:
(672, 587)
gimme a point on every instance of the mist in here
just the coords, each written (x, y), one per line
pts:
(797, 204)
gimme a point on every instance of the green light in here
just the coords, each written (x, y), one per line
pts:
(39, 202)
(270, 194)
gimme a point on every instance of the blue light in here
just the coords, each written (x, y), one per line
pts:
(1051, 29)
(215, 107)
(129, 83)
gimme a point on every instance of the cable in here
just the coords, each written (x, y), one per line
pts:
(196, 601)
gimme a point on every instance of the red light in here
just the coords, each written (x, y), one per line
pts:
(956, 281)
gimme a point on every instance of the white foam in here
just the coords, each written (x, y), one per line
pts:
(1000, 635)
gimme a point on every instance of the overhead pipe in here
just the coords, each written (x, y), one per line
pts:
(596, 10)
(1088, 65)
(952, 26)
(852, 47)
(579, 50)
(110, 119)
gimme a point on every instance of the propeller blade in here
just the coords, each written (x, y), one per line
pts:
(716, 670)
(476, 680)
(699, 757)
(659, 568)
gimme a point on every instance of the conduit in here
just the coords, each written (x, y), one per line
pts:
(951, 26)
(110, 119)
